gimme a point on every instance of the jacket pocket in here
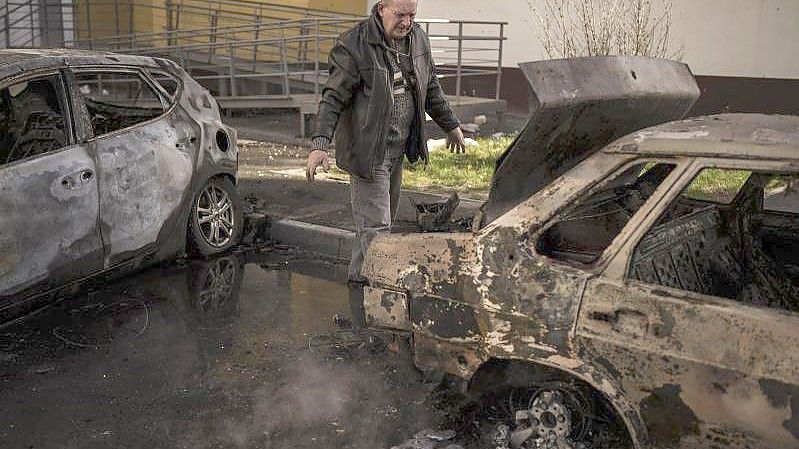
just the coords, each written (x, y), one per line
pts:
(369, 96)
(366, 96)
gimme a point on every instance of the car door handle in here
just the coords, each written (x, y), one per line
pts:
(75, 180)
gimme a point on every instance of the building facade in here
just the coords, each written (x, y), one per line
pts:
(745, 53)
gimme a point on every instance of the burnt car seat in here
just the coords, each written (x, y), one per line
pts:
(694, 252)
(38, 121)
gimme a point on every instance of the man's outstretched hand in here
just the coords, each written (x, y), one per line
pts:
(315, 159)
(455, 141)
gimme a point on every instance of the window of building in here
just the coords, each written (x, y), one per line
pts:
(117, 100)
(746, 249)
(32, 118)
(588, 228)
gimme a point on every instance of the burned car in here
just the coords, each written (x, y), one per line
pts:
(630, 270)
(107, 161)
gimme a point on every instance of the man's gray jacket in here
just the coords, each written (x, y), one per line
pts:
(357, 98)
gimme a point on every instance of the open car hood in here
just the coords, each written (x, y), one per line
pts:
(579, 106)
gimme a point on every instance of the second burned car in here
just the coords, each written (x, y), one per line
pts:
(644, 275)
(107, 161)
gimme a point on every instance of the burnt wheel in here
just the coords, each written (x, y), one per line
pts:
(548, 415)
(216, 219)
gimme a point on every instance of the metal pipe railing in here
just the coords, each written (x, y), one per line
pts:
(244, 40)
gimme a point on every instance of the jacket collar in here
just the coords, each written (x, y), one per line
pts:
(375, 33)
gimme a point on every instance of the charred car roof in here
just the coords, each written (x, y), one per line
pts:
(746, 136)
(16, 61)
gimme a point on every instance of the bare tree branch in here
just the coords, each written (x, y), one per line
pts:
(572, 28)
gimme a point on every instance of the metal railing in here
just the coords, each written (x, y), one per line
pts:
(292, 51)
(466, 48)
(239, 48)
(24, 21)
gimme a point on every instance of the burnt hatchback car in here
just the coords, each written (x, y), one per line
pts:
(107, 161)
(623, 271)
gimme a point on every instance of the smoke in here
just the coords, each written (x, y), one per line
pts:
(320, 403)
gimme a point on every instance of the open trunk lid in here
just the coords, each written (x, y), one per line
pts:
(579, 106)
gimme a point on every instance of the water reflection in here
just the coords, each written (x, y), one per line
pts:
(278, 297)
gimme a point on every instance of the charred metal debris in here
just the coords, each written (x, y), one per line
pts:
(436, 216)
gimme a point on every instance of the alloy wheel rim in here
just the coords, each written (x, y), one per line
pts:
(215, 216)
(217, 287)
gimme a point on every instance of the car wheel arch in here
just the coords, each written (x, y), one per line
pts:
(520, 369)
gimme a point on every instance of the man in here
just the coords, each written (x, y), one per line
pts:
(382, 81)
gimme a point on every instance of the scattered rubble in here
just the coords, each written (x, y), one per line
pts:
(435, 216)
(430, 439)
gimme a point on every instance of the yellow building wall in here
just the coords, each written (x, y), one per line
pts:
(107, 19)
(155, 18)
(357, 7)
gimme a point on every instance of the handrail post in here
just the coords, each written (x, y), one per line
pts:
(284, 56)
(231, 70)
(33, 26)
(116, 19)
(257, 37)
(45, 27)
(75, 25)
(131, 24)
(460, 60)
(317, 55)
(178, 11)
(7, 25)
(499, 58)
(212, 39)
(89, 26)
(168, 28)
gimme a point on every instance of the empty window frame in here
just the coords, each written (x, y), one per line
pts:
(738, 250)
(117, 100)
(589, 227)
(32, 119)
(168, 82)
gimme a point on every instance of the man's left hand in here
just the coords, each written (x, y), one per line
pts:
(455, 141)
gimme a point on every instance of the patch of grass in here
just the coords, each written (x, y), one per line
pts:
(717, 185)
(468, 173)
(722, 185)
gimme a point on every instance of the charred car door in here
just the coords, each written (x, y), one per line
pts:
(48, 190)
(696, 319)
(146, 150)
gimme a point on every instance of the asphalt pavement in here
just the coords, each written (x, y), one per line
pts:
(260, 349)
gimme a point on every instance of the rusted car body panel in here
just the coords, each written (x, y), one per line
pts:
(126, 196)
(681, 368)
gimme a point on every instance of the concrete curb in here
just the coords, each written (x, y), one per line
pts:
(324, 240)
(327, 241)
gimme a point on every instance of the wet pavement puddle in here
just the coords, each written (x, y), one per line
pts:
(247, 350)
